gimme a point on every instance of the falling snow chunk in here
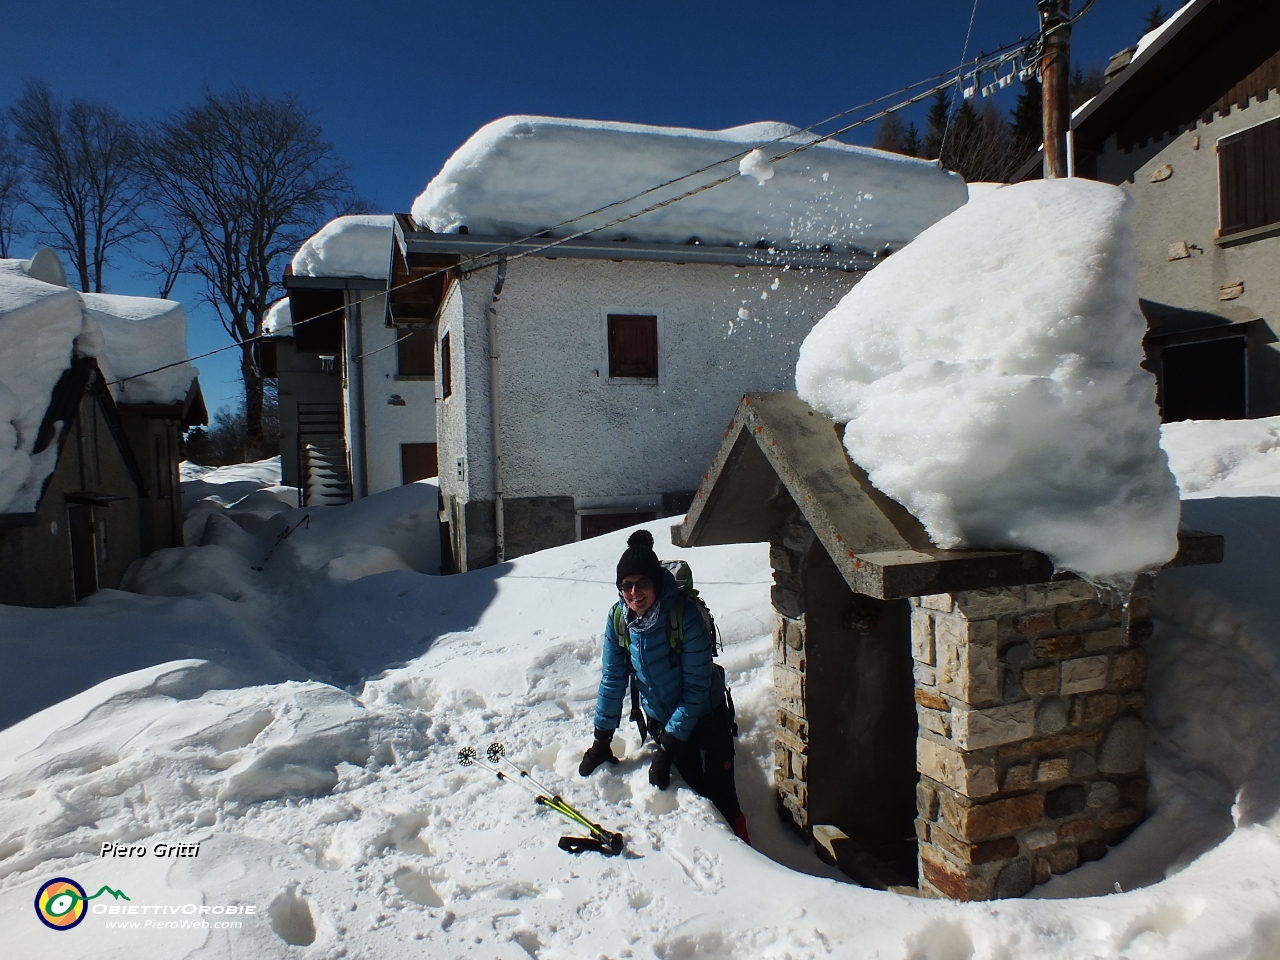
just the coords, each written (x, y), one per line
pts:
(755, 164)
(989, 376)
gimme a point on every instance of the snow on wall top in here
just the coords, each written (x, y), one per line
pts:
(355, 246)
(279, 319)
(42, 327)
(521, 175)
(989, 375)
(142, 333)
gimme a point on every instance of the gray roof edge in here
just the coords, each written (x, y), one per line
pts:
(583, 248)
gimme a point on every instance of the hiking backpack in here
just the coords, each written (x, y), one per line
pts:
(675, 638)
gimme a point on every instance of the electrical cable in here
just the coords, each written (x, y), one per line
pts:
(964, 53)
(483, 260)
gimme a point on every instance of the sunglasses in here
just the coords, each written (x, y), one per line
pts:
(643, 583)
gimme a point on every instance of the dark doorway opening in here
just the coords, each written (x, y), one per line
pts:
(860, 700)
(84, 549)
(597, 524)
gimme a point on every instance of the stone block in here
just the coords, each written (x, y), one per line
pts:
(931, 699)
(1076, 828)
(1031, 624)
(1016, 654)
(1103, 639)
(986, 821)
(926, 675)
(1133, 791)
(927, 800)
(795, 659)
(970, 775)
(795, 634)
(1069, 591)
(967, 667)
(1041, 870)
(1124, 747)
(922, 636)
(780, 558)
(781, 761)
(924, 830)
(937, 601)
(1095, 708)
(949, 879)
(934, 720)
(977, 729)
(799, 765)
(1121, 817)
(1055, 648)
(1058, 743)
(786, 600)
(797, 537)
(1134, 702)
(1040, 680)
(990, 602)
(1140, 630)
(1040, 838)
(790, 739)
(1014, 880)
(1103, 794)
(1047, 771)
(788, 685)
(1064, 859)
(1065, 802)
(1084, 675)
(1092, 850)
(1017, 777)
(1003, 848)
(1083, 765)
(1129, 669)
(1080, 612)
(1140, 608)
(1051, 716)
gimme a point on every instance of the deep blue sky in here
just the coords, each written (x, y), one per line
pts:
(399, 86)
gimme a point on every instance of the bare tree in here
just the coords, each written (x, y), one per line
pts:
(251, 178)
(172, 245)
(13, 193)
(82, 160)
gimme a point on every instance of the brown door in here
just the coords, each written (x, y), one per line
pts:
(418, 462)
(84, 550)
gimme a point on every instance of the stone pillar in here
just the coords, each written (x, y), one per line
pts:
(791, 735)
(1031, 741)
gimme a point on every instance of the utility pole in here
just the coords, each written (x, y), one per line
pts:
(1055, 75)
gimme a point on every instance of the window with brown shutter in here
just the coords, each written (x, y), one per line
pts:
(633, 346)
(1249, 178)
(418, 462)
(446, 368)
(415, 352)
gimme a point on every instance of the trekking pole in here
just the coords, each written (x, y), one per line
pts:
(601, 840)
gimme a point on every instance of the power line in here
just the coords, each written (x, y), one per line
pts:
(487, 259)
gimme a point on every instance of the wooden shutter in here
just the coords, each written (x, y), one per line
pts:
(633, 346)
(415, 352)
(418, 462)
(446, 368)
(1249, 178)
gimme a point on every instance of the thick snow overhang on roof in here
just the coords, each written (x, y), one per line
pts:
(776, 440)
(142, 334)
(352, 246)
(523, 176)
(1183, 73)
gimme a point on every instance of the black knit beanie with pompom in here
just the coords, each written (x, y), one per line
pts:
(639, 558)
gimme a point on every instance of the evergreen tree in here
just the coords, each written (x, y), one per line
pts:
(936, 124)
(1155, 18)
(911, 141)
(1027, 120)
(889, 134)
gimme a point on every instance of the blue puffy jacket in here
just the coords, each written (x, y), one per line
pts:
(675, 689)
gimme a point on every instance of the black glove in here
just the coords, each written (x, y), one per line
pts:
(597, 753)
(663, 757)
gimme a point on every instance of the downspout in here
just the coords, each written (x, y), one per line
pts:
(363, 400)
(495, 411)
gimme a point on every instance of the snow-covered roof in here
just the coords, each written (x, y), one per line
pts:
(990, 377)
(520, 175)
(142, 333)
(43, 326)
(279, 319)
(354, 246)
(1152, 36)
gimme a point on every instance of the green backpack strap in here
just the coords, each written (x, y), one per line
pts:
(620, 631)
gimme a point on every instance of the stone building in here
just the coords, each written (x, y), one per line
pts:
(1189, 125)
(966, 722)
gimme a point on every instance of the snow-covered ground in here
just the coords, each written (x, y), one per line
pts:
(340, 814)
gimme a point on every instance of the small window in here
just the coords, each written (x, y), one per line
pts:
(415, 356)
(1249, 178)
(598, 524)
(1204, 381)
(633, 347)
(418, 462)
(446, 368)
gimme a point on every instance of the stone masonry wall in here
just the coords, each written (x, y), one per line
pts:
(1031, 741)
(791, 735)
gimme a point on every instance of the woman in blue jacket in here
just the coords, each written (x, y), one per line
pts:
(683, 697)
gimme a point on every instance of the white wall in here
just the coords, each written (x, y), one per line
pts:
(568, 431)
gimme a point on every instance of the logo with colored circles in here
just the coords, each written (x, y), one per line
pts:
(61, 902)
